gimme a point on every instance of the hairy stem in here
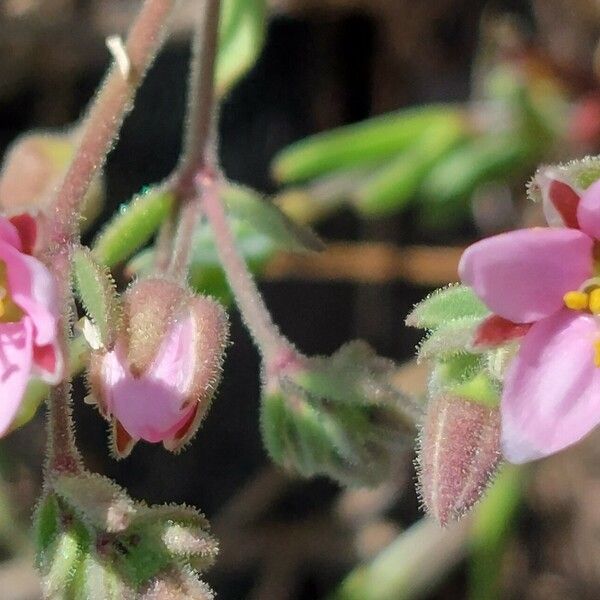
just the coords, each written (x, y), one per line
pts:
(272, 344)
(200, 137)
(62, 454)
(106, 114)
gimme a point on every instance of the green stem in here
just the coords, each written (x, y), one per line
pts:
(411, 566)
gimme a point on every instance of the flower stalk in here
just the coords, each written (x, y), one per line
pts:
(275, 348)
(106, 115)
(199, 144)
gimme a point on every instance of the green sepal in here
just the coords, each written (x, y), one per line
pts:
(46, 522)
(133, 226)
(97, 501)
(361, 143)
(242, 32)
(466, 375)
(455, 335)
(97, 292)
(446, 304)
(58, 562)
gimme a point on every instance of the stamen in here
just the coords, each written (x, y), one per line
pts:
(577, 300)
(597, 353)
(595, 301)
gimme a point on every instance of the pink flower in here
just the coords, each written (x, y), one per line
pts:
(549, 278)
(157, 382)
(28, 319)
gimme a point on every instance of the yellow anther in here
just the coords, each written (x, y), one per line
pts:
(595, 301)
(2, 308)
(597, 353)
(577, 300)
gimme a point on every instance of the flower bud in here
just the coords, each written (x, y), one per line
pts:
(101, 545)
(32, 168)
(338, 415)
(157, 382)
(459, 451)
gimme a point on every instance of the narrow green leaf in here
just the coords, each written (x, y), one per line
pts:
(206, 275)
(446, 304)
(241, 39)
(393, 185)
(132, 227)
(266, 218)
(360, 143)
(487, 158)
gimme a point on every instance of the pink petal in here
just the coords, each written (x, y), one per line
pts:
(9, 233)
(153, 406)
(34, 290)
(551, 393)
(15, 367)
(588, 213)
(523, 275)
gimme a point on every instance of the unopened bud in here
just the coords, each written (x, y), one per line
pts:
(338, 415)
(458, 455)
(157, 383)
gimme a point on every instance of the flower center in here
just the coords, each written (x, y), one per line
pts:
(9, 311)
(586, 298)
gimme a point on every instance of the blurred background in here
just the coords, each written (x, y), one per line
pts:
(508, 86)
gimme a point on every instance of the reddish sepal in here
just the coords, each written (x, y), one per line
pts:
(566, 200)
(495, 331)
(27, 228)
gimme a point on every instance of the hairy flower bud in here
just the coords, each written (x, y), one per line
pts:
(459, 452)
(95, 543)
(33, 166)
(157, 382)
(339, 415)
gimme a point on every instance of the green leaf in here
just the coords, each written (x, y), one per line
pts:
(360, 143)
(393, 185)
(206, 275)
(266, 218)
(444, 305)
(97, 292)
(133, 226)
(241, 39)
(486, 158)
